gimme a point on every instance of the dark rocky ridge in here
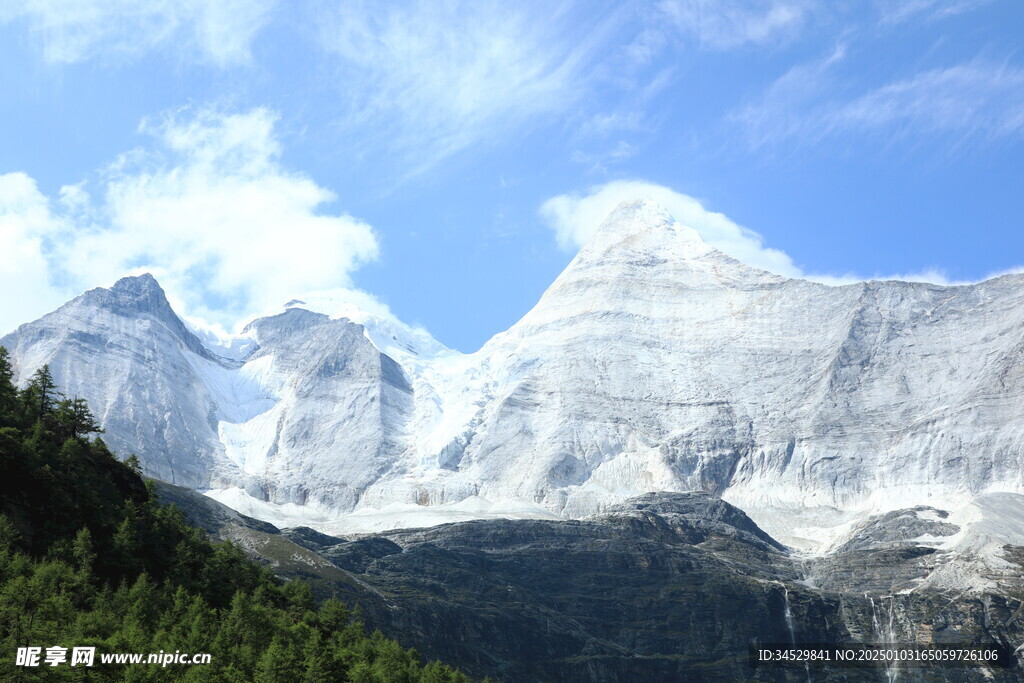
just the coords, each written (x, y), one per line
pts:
(658, 591)
(206, 513)
(663, 587)
(899, 528)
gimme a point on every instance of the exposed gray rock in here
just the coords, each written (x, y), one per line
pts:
(312, 539)
(899, 528)
(206, 513)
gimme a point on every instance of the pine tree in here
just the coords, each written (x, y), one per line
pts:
(126, 544)
(74, 419)
(9, 536)
(145, 603)
(279, 663)
(299, 596)
(82, 550)
(8, 393)
(12, 455)
(40, 396)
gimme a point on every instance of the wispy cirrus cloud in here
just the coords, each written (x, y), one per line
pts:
(900, 11)
(216, 31)
(974, 100)
(783, 109)
(601, 160)
(419, 82)
(602, 125)
(430, 79)
(727, 24)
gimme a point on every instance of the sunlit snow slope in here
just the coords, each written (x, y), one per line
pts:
(654, 362)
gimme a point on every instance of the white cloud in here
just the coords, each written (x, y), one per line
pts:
(210, 211)
(218, 31)
(574, 218)
(430, 79)
(726, 24)
(973, 100)
(26, 221)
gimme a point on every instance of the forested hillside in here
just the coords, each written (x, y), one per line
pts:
(89, 557)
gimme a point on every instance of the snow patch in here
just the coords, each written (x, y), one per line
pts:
(368, 520)
(281, 515)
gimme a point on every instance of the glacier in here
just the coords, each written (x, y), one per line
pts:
(654, 362)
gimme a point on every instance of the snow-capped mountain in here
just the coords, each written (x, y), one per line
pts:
(653, 363)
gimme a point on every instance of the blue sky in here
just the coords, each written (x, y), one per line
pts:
(444, 160)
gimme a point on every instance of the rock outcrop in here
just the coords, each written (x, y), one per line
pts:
(660, 587)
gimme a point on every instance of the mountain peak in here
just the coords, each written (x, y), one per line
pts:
(142, 280)
(143, 285)
(645, 223)
(139, 293)
(642, 209)
(135, 296)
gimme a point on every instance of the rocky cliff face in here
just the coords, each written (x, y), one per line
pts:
(659, 587)
(653, 363)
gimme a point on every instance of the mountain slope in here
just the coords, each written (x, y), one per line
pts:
(126, 352)
(653, 363)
